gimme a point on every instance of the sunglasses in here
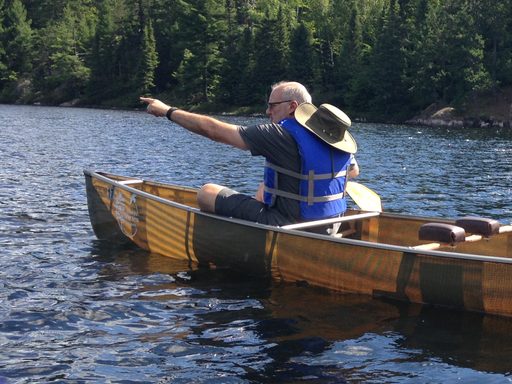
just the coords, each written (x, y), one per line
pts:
(271, 105)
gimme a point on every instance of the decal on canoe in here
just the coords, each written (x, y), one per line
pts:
(126, 212)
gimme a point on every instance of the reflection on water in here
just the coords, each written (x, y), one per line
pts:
(285, 333)
(74, 309)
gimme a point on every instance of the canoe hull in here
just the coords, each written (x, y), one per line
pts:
(103, 222)
(164, 219)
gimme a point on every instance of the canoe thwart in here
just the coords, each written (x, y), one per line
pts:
(479, 225)
(131, 181)
(442, 233)
(505, 228)
(317, 223)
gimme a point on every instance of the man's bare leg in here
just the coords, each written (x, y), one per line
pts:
(207, 195)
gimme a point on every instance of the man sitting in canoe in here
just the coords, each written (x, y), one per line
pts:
(308, 154)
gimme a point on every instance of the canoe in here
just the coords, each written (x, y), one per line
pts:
(463, 263)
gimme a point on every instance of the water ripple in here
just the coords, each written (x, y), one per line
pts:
(75, 309)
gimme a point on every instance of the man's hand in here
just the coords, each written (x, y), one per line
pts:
(259, 192)
(155, 106)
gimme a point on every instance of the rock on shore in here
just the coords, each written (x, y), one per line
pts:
(483, 112)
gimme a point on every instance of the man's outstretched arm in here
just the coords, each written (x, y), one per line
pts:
(202, 125)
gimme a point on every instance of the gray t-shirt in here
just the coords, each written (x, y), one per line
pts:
(278, 147)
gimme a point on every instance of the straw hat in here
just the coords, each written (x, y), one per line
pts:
(328, 123)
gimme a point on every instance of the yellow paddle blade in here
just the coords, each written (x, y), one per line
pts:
(364, 197)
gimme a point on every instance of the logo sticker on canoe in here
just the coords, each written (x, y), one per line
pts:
(126, 213)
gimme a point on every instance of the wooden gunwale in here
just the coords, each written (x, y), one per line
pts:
(296, 232)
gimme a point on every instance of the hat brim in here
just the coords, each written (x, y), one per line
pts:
(348, 144)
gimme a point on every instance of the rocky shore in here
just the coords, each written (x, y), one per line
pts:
(489, 111)
(447, 117)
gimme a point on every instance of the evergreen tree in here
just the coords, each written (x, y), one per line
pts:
(60, 71)
(103, 60)
(270, 54)
(236, 82)
(302, 57)
(418, 27)
(244, 8)
(388, 65)
(385, 57)
(502, 66)
(3, 59)
(349, 61)
(129, 53)
(169, 23)
(44, 12)
(325, 60)
(150, 59)
(494, 21)
(245, 94)
(18, 37)
(453, 54)
(230, 71)
(198, 73)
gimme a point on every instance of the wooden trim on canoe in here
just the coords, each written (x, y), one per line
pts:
(432, 246)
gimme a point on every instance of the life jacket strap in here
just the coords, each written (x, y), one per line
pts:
(310, 176)
(306, 199)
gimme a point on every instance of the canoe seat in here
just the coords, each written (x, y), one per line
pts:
(479, 225)
(442, 233)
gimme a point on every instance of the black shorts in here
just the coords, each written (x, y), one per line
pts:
(234, 204)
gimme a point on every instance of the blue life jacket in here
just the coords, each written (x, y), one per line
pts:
(322, 177)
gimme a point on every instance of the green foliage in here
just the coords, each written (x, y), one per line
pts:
(103, 59)
(18, 38)
(60, 70)
(149, 59)
(271, 54)
(452, 64)
(3, 58)
(301, 60)
(377, 58)
(349, 60)
(236, 74)
(198, 73)
(43, 12)
(388, 64)
(494, 20)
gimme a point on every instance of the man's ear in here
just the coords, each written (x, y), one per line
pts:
(293, 107)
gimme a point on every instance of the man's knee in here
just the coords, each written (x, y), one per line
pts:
(207, 195)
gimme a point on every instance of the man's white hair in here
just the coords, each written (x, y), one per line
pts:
(292, 90)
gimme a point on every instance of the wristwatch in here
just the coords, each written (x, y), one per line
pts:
(170, 111)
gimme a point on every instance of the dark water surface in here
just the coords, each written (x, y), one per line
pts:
(76, 310)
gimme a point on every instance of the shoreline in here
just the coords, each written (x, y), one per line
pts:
(442, 118)
(466, 122)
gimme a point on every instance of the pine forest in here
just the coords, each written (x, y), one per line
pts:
(377, 59)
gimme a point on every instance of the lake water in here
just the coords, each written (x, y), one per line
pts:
(76, 310)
